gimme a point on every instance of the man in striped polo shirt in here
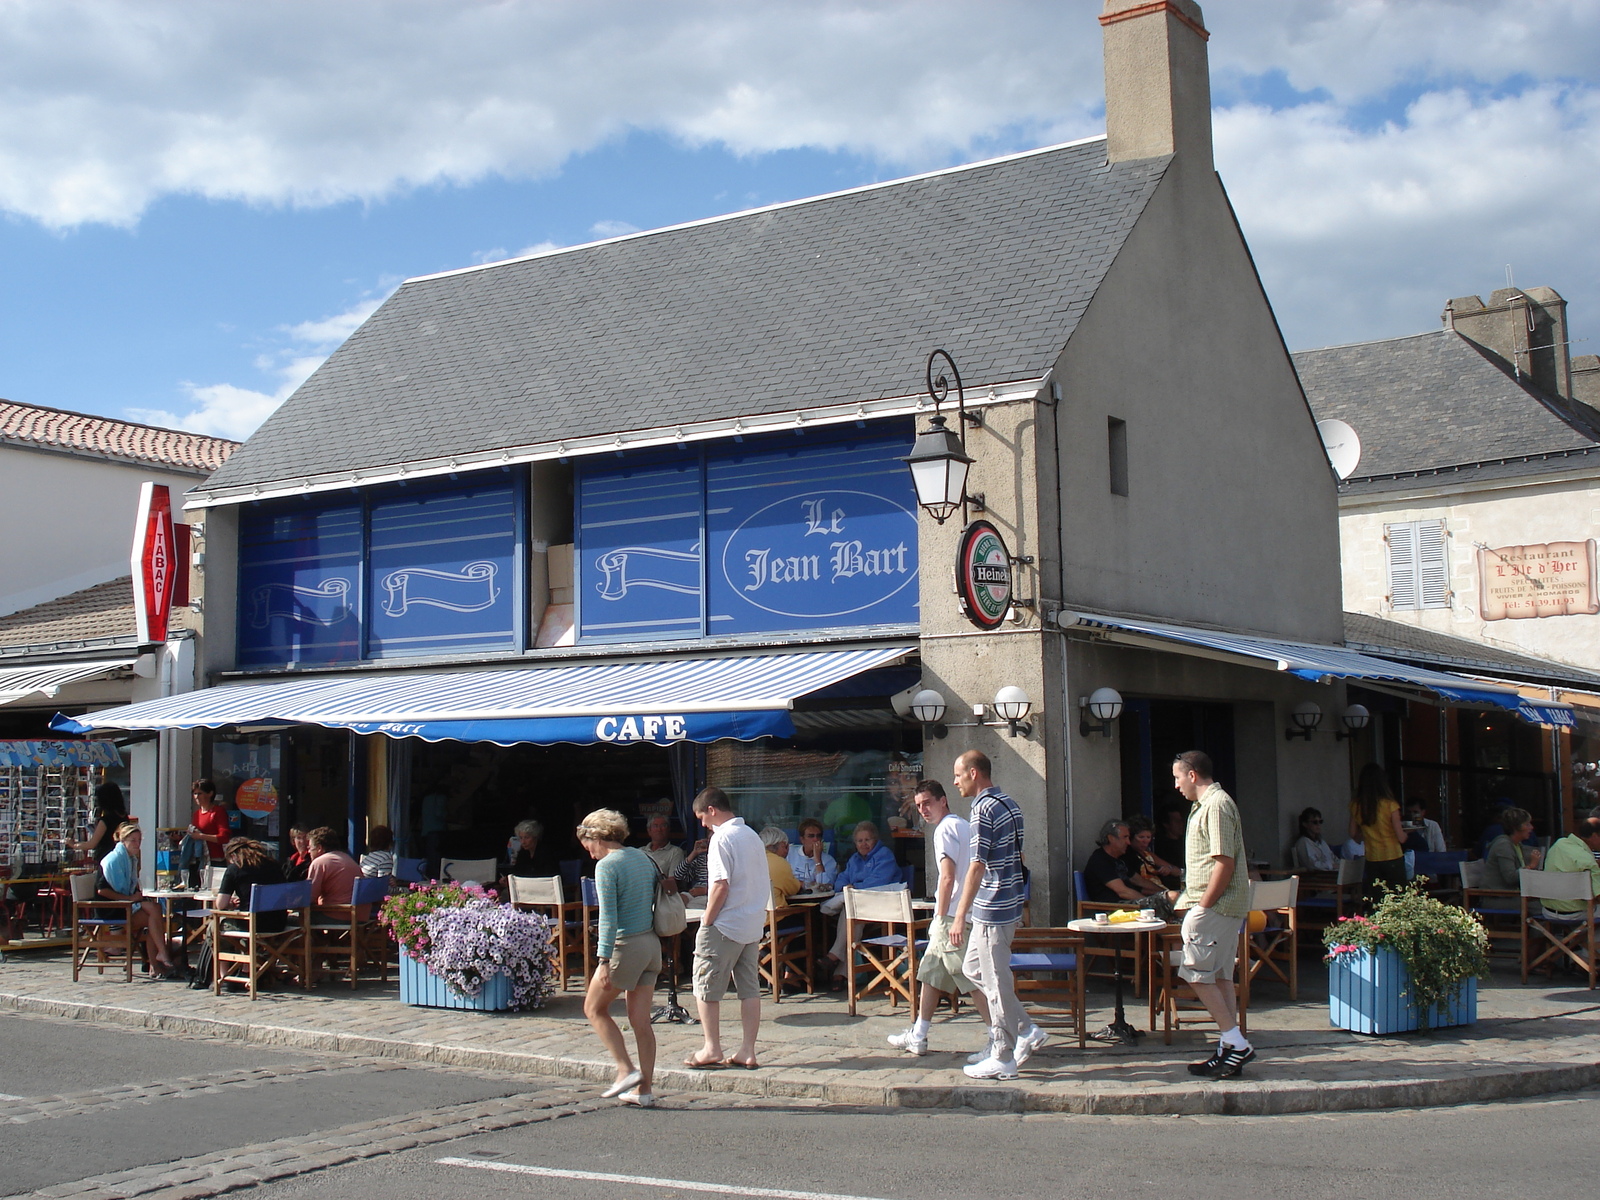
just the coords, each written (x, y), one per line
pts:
(992, 898)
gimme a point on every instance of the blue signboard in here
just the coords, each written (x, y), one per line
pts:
(812, 533)
(440, 570)
(638, 548)
(811, 536)
(299, 583)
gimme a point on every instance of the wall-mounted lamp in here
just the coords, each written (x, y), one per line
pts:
(938, 458)
(1306, 717)
(1011, 705)
(927, 706)
(1104, 705)
(1355, 718)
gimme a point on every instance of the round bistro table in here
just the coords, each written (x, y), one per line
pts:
(1119, 1030)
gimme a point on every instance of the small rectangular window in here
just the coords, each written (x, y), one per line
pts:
(1419, 565)
(1117, 447)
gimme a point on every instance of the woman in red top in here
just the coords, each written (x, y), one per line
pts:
(208, 828)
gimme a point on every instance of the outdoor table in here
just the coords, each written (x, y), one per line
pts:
(672, 1011)
(1119, 1030)
(167, 898)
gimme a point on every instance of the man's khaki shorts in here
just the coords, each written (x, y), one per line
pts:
(718, 959)
(635, 961)
(940, 964)
(1210, 946)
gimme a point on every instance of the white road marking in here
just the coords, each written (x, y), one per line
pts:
(685, 1185)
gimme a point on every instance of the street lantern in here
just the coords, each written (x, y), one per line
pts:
(938, 458)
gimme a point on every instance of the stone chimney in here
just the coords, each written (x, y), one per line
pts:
(1158, 82)
(1526, 327)
(1586, 379)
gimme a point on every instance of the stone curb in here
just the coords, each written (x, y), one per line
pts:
(1246, 1098)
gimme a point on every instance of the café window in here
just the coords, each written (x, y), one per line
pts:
(1419, 565)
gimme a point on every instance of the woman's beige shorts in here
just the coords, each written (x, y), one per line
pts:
(635, 961)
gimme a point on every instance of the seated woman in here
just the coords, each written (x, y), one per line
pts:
(1150, 872)
(299, 862)
(117, 878)
(1507, 858)
(532, 859)
(249, 863)
(784, 884)
(378, 861)
(871, 868)
(691, 878)
(1310, 852)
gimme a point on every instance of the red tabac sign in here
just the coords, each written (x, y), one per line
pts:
(155, 562)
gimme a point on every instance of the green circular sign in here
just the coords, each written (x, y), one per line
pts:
(983, 575)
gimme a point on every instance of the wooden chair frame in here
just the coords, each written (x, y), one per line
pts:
(1276, 950)
(1496, 917)
(1050, 988)
(1559, 930)
(891, 958)
(336, 932)
(90, 930)
(1136, 949)
(262, 951)
(546, 895)
(1173, 996)
(781, 950)
(1344, 889)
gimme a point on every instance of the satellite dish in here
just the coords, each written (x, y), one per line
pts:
(1342, 445)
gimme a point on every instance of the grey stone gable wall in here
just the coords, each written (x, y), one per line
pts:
(834, 300)
(1436, 400)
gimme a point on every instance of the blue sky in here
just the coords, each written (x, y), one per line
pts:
(201, 199)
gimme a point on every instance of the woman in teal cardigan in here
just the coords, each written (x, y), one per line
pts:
(628, 950)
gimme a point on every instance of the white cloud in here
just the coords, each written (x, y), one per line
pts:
(1444, 139)
(611, 229)
(227, 410)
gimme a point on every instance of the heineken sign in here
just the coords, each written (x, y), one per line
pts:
(983, 575)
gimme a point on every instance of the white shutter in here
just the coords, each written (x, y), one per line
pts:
(1433, 565)
(1402, 541)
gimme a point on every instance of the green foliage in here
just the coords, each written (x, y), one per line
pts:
(1440, 944)
(406, 913)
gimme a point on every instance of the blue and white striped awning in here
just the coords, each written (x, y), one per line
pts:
(696, 700)
(1318, 663)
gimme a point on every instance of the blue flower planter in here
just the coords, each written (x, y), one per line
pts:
(426, 989)
(1365, 996)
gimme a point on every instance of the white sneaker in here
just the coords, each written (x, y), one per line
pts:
(991, 1068)
(908, 1041)
(1029, 1042)
(977, 1056)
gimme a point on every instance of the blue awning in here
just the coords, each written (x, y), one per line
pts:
(1318, 663)
(662, 702)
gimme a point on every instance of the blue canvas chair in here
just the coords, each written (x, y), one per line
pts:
(1136, 949)
(411, 870)
(338, 931)
(1047, 964)
(245, 955)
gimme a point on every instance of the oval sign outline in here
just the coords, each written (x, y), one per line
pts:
(977, 611)
(783, 612)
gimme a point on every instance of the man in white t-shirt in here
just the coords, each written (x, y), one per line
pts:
(728, 946)
(939, 969)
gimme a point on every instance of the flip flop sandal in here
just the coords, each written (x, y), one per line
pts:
(694, 1064)
(733, 1062)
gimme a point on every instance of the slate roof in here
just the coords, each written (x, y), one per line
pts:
(832, 300)
(1437, 402)
(103, 437)
(98, 615)
(1423, 647)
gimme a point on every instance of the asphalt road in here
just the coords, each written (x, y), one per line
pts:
(144, 1108)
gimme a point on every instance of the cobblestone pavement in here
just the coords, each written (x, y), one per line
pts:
(1528, 1041)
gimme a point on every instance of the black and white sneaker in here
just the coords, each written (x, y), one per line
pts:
(1204, 1069)
(1232, 1061)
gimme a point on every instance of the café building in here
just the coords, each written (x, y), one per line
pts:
(602, 525)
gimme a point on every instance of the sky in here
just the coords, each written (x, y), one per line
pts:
(199, 200)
